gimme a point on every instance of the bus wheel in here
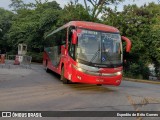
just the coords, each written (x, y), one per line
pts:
(99, 84)
(46, 68)
(65, 81)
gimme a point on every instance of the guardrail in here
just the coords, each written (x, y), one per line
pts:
(24, 61)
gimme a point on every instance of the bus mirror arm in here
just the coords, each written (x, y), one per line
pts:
(74, 37)
(128, 43)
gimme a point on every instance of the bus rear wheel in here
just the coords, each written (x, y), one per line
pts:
(64, 80)
(46, 67)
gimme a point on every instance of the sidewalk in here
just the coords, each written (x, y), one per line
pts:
(142, 81)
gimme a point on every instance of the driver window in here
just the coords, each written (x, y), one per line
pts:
(71, 47)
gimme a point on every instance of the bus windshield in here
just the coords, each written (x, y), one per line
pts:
(100, 48)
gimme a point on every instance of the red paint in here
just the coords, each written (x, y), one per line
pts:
(2, 59)
(74, 74)
(128, 44)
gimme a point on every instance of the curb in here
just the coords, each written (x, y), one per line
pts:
(142, 81)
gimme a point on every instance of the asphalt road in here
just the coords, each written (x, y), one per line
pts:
(33, 89)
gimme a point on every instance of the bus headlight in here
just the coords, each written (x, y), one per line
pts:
(112, 74)
(86, 69)
(94, 71)
(79, 69)
(119, 73)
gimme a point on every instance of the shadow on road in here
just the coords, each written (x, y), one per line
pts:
(84, 87)
(90, 88)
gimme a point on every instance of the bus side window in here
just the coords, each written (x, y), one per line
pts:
(71, 47)
(63, 36)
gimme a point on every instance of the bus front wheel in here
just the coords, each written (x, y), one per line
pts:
(99, 84)
(65, 81)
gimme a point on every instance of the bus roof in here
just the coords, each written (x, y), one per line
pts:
(93, 26)
(87, 25)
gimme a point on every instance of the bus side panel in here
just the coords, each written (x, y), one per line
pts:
(44, 58)
(56, 58)
(51, 60)
(64, 62)
(68, 68)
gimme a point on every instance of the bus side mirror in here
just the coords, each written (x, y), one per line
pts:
(128, 43)
(74, 37)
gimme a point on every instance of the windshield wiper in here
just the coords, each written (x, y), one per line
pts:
(97, 52)
(95, 55)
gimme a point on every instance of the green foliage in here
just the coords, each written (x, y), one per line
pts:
(73, 12)
(5, 24)
(137, 70)
(141, 25)
(30, 25)
(98, 6)
(36, 57)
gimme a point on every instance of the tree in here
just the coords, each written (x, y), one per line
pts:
(17, 4)
(153, 37)
(96, 7)
(138, 23)
(5, 24)
(30, 25)
(73, 11)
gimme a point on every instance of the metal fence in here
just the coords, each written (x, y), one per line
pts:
(24, 61)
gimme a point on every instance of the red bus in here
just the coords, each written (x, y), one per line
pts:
(86, 52)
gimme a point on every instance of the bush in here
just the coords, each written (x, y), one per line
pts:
(137, 71)
(36, 57)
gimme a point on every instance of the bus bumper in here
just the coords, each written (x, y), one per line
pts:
(91, 79)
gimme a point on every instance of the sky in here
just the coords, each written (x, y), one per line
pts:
(5, 3)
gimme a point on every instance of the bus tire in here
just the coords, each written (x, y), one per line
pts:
(64, 80)
(99, 84)
(46, 68)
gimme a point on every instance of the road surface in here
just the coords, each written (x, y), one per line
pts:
(33, 89)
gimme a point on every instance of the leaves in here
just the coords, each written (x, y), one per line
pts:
(30, 25)
(97, 6)
(5, 24)
(141, 25)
